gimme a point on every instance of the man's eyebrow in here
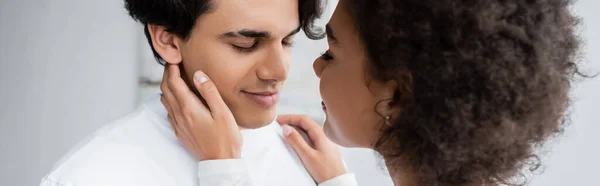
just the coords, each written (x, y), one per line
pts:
(247, 33)
(255, 33)
(329, 32)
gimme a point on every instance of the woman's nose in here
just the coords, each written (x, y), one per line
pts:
(319, 66)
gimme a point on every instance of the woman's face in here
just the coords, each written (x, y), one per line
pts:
(245, 48)
(349, 94)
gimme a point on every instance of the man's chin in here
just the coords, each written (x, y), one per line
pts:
(256, 121)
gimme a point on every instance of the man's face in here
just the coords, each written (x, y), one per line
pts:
(244, 47)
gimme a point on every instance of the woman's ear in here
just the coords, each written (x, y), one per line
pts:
(166, 44)
(383, 92)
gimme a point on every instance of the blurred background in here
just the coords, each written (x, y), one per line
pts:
(70, 66)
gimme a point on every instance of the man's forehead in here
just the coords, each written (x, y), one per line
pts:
(272, 16)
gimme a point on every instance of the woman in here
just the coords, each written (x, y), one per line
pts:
(449, 93)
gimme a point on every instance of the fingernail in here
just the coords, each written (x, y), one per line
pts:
(287, 130)
(200, 77)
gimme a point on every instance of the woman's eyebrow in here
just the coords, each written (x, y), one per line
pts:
(329, 32)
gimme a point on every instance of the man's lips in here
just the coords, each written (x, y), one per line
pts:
(266, 99)
(263, 93)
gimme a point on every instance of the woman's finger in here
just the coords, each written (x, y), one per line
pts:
(295, 140)
(168, 95)
(163, 100)
(298, 143)
(185, 97)
(314, 130)
(208, 90)
(173, 123)
(180, 133)
(175, 109)
(180, 137)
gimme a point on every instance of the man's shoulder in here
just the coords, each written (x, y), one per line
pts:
(114, 153)
(105, 162)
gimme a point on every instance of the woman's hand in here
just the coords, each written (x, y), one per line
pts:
(209, 133)
(324, 161)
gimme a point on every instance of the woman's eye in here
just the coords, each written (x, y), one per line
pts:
(245, 48)
(326, 56)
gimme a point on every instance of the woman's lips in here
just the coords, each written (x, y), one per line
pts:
(265, 99)
(323, 106)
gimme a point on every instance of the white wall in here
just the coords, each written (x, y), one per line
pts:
(67, 66)
(575, 158)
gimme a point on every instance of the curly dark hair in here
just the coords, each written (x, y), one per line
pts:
(179, 16)
(483, 84)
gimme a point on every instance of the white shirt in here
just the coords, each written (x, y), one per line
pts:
(141, 149)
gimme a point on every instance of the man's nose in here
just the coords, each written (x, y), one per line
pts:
(275, 66)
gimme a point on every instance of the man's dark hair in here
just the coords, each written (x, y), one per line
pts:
(179, 16)
(483, 84)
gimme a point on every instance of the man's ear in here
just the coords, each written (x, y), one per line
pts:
(166, 44)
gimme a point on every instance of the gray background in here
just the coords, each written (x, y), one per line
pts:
(70, 66)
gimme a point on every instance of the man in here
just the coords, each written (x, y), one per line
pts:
(245, 48)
